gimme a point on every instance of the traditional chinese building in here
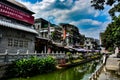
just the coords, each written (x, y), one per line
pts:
(16, 30)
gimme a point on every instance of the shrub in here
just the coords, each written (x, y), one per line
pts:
(31, 66)
(70, 57)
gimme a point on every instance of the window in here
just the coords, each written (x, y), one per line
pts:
(25, 44)
(38, 27)
(21, 43)
(10, 42)
(87, 42)
(15, 43)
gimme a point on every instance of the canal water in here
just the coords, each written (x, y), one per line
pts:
(81, 72)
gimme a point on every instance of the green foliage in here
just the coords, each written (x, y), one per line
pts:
(69, 53)
(100, 4)
(31, 66)
(111, 37)
(70, 57)
(114, 9)
(56, 36)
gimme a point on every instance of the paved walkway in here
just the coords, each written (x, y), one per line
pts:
(113, 64)
(108, 75)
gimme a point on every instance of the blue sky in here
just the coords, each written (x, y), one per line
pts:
(77, 12)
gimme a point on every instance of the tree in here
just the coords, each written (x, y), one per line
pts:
(100, 5)
(111, 36)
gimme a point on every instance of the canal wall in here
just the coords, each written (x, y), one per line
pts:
(3, 67)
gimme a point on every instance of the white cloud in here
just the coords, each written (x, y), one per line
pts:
(93, 22)
(87, 22)
(74, 15)
(40, 8)
(94, 32)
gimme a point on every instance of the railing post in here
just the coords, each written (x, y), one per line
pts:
(18, 51)
(42, 54)
(35, 53)
(52, 53)
(47, 54)
(27, 54)
(6, 56)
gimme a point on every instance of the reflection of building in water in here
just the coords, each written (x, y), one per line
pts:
(16, 31)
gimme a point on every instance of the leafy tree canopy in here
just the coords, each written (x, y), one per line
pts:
(100, 5)
(111, 36)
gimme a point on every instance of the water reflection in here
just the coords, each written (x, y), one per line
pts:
(81, 72)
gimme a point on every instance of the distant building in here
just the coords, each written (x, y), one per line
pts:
(44, 29)
(16, 30)
(72, 35)
(100, 36)
(62, 36)
(57, 35)
(91, 43)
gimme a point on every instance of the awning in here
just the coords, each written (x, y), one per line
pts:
(80, 49)
(17, 26)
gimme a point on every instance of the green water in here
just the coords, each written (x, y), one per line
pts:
(81, 72)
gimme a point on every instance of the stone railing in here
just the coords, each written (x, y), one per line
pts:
(96, 74)
(8, 57)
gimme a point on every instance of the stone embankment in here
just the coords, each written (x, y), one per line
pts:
(3, 67)
(80, 62)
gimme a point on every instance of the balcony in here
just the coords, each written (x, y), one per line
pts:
(17, 26)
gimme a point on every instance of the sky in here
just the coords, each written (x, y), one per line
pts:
(89, 21)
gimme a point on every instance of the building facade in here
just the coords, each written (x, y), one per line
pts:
(72, 35)
(91, 43)
(62, 36)
(44, 28)
(16, 30)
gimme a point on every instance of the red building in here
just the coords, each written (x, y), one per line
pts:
(16, 27)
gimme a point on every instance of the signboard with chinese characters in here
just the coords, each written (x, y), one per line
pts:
(15, 13)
